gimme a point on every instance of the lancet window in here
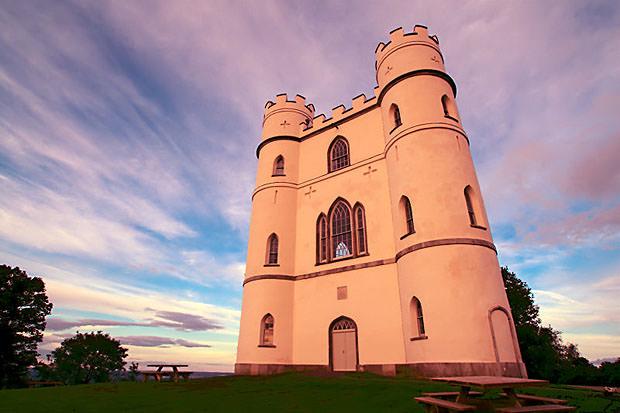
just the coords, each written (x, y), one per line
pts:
(395, 112)
(417, 318)
(341, 233)
(278, 166)
(407, 215)
(266, 330)
(339, 154)
(470, 205)
(272, 250)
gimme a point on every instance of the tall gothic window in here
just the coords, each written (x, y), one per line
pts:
(272, 249)
(470, 205)
(321, 253)
(278, 166)
(417, 318)
(266, 330)
(408, 215)
(360, 229)
(341, 240)
(339, 154)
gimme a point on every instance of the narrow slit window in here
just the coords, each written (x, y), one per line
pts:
(408, 212)
(272, 249)
(278, 166)
(360, 227)
(396, 116)
(417, 318)
(322, 239)
(266, 337)
(470, 206)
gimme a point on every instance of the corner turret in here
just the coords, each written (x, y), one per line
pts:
(407, 52)
(286, 117)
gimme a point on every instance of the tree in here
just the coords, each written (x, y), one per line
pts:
(23, 308)
(88, 358)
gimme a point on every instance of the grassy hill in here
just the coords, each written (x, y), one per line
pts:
(281, 393)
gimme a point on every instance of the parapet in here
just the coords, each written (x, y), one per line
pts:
(358, 104)
(286, 117)
(390, 61)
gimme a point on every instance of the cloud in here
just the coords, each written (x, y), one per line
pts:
(155, 341)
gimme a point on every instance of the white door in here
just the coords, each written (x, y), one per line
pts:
(344, 346)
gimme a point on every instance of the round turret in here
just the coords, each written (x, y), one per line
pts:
(406, 53)
(286, 117)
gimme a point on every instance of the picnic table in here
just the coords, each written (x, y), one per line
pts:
(466, 400)
(160, 372)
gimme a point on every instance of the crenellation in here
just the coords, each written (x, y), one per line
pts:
(399, 36)
(338, 111)
(358, 101)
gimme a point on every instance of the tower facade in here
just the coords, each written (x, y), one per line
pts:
(369, 245)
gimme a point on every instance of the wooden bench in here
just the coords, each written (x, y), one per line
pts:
(441, 394)
(157, 375)
(432, 404)
(537, 408)
(531, 398)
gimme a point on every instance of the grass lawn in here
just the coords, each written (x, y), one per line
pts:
(282, 393)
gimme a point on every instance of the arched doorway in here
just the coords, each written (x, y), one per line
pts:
(343, 345)
(504, 340)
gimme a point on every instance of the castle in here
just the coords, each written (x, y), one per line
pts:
(369, 244)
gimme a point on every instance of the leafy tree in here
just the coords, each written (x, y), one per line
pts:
(88, 358)
(23, 308)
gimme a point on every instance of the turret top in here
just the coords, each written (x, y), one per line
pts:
(406, 52)
(286, 117)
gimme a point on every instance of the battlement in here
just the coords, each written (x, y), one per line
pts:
(282, 102)
(358, 103)
(398, 38)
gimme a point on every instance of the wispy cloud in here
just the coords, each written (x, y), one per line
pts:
(155, 341)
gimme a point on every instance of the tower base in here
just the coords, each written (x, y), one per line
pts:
(413, 369)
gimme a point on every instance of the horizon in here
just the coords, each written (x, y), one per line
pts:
(128, 136)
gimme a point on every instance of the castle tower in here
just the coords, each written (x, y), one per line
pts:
(272, 232)
(369, 245)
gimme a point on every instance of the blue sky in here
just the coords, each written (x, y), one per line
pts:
(128, 131)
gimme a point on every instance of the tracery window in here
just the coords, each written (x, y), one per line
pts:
(278, 166)
(339, 154)
(341, 233)
(266, 330)
(272, 250)
(342, 242)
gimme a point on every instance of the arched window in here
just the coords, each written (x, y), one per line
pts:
(395, 114)
(338, 154)
(278, 166)
(407, 215)
(360, 229)
(321, 239)
(417, 318)
(449, 110)
(266, 330)
(470, 205)
(272, 250)
(341, 240)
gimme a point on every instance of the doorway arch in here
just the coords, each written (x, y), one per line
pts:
(343, 351)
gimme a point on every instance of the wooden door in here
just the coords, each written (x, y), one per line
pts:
(344, 345)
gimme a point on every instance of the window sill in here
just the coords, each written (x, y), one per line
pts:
(479, 227)
(271, 265)
(422, 337)
(407, 234)
(348, 257)
(267, 345)
(278, 175)
(451, 117)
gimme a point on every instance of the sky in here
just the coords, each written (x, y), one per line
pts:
(128, 132)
